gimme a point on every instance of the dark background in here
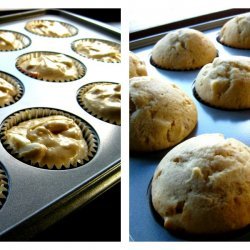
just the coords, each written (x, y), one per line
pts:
(110, 15)
(100, 220)
(103, 15)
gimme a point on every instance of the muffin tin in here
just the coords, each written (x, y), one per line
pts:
(145, 224)
(37, 197)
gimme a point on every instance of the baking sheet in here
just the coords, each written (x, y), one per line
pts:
(143, 224)
(34, 191)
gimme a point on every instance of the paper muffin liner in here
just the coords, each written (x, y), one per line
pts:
(89, 135)
(18, 86)
(81, 68)
(113, 44)
(4, 186)
(230, 46)
(72, 29)
(198, 98)
(170, 69)
(19, 36)
(80, 100)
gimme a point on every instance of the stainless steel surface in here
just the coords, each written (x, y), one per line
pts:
(143, 225)
(32, 190)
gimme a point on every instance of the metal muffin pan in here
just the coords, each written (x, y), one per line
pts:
(144, 222)
(37, 197)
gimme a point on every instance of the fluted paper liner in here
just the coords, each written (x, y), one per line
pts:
(80, 100)
(18, 86)
(72, 30)
(3, 186)
(19, 36)
(89, 135)
(81, 68)
(113, 44)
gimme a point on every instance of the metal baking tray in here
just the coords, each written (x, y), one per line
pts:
(144, 223)
(38, 197)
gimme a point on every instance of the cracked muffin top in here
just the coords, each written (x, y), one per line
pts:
(161, 114)
(225, 82)
(202, 185)
(236, 32)
(183, 49)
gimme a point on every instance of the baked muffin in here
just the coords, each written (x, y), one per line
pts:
(97, 49)
(7, 92)
(202, 186)
(102, 100)
(10, 41)
(161, 116)
(50, 28)
(48, 141)
(183, 49)
(236, 32)
(50, 66)
(136, 66)
(225, 83)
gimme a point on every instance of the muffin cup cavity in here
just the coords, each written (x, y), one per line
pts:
(18, 87)
(25, 40)
(81, 68)
(4, 186)
(88, 133)
(71, 29)
(76, 43)
(80, 99)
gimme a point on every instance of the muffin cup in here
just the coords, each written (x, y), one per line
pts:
(72, 30)
(19, 36)
(80, 100)
(81, 68)
(198, 98)
(156, 216)
(18, 86)
(230, 46)
(88, 133)
(74, 46)
(3, 186)
(189, 69)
